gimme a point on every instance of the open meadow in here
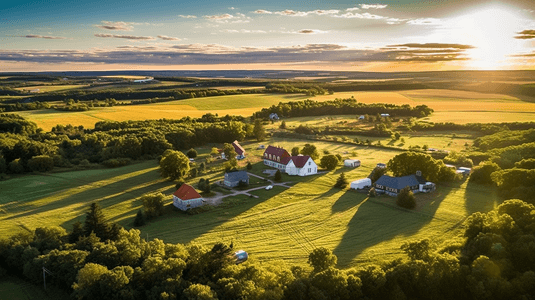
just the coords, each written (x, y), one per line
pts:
(281, 224)
(449, 106)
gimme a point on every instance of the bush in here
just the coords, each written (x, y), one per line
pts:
(204, 185)
(116, 162)
(278, 175)
(372, 192)
(329, 162)
(16, 166)
(249, 166)
(406, 198)
(41, 163)
(192, 153)
(140, 219)
(153, 204)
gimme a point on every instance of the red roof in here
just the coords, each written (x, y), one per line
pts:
(186, 192)
(239, 149)
(276, 151)
(300, 161)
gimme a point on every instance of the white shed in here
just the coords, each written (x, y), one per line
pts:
(361, 183)
(352, 163)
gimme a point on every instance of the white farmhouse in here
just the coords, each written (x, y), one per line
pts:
(302, 165)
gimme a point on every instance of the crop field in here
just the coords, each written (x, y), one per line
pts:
(281, 224)
(52, 88)
(449, 106)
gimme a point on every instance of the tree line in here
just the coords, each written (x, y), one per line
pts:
(493, 258)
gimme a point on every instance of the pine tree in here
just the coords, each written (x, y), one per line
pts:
(341, 182)
(96, 222)
(249, 166)
(278, 175)
(77, 232)
(140, 219)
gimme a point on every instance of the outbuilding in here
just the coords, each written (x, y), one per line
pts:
(186, 197)
(361, 183)
(352, 163)
(233, 179)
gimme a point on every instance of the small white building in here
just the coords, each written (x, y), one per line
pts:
(385, 115)
(362, 117)
(361, 183)
(352, 163)
(302, 165)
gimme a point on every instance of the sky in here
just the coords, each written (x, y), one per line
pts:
(379, 36)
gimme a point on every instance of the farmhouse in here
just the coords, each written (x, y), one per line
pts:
(279, 158)
(393, 185)
(186, 197)
(233, 179)
(238, 148)
(352, 163)
(302, 165)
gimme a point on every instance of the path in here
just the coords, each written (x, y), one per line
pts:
(216, 200)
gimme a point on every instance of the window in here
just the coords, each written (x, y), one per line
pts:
(265, 154)
(278, 158)
(309, 170)
(309, 163)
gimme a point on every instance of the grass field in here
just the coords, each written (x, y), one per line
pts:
(449, 106)
(16, 288)
(282, 224)
(52, 88)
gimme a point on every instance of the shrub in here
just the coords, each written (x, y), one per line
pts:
(329, 162)
(153, 204)
(140, 219)
(41, 163)
(278, 175)
(406, 198)
(249, 166)
(16, 166)
(192, 153)
(372, 192)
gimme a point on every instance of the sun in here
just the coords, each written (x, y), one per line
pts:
(491, 31)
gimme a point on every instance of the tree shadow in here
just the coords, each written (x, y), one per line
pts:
(480, 198)
(348, 200)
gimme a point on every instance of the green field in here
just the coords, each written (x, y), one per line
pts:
(449, 106)
(282, 224)
(52, 88)
(16, 288)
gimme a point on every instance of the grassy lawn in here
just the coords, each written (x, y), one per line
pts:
(281, 224)
(16, 288)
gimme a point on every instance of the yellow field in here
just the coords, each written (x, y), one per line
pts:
(449, 106)
(51, 88)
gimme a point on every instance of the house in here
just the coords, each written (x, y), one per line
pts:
(237, 147)
(273, 116)
(261, 147)
(301, 165)
(361, 183)
(276, 157)
(381, 165)
(393, 185)
(233, 179)
(352, 163)
(186, 197)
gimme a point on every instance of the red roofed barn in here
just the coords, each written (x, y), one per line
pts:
(186, 197)
(276, 157)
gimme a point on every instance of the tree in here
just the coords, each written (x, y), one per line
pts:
(199, 291)
(96, 222)
(77, 232)
(406, 198)
(283, 125)
(3, 164)
(214, 152)
(377, 173)
(295, 151)
(482, 173)
(259, 131)
(249, 166)
(193, 172)
(204, 185)
(278, 175)
(329, 162)
(153, 204)
(230, 154)
(408, 163)
(321, 259)
(311, 151)
(192, 153)
(16, 166)
(341, 182)
(174, 164)
(140, 219)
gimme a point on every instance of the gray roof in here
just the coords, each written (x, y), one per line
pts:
(400, 182)
(236, 176)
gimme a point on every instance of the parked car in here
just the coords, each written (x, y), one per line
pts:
(269, 187)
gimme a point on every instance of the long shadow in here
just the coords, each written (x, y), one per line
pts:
(378, 220)
(348, 200)
(480, 198)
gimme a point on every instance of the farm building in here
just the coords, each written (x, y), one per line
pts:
(238, 148)
(381, 165)
(273, 116)
(361, 183)
(302, 165)
(393, 185)
(186, 197)
(385, 115)
(276, 157)
(464, 171)
(352, 163)
(362, 117)
(233, 179)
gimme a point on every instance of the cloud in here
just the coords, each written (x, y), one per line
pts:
(128, 37)
(228, 18)
(121, 26)
(368, 16)
(294, 13)
(526, 35)
(168, 38)
(36, 36)
(213, 54)
(188, 16)
(425, 21)
(373, 6)
(243, 31)
(219, 17)
(352, 9)
(433, 46)
(263, 11)
(310, 31)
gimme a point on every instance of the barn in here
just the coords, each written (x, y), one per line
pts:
(361, 183)
(352, 163)
(186, 197)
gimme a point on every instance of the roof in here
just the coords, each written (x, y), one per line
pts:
(399, 182)
(239, 149)
(276, 151)
(351, 160)
(186, 192)
(299, 161)
(362, 180)
(236, 176)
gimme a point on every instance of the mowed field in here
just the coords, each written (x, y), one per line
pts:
(281, 224)
(449, 106)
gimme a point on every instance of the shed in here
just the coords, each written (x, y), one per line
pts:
(385, 115)
(381, 165)
(186, 197)
(361, 183)
(352, 163)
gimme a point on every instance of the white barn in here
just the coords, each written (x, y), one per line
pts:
(352, 163)
(361, 183)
